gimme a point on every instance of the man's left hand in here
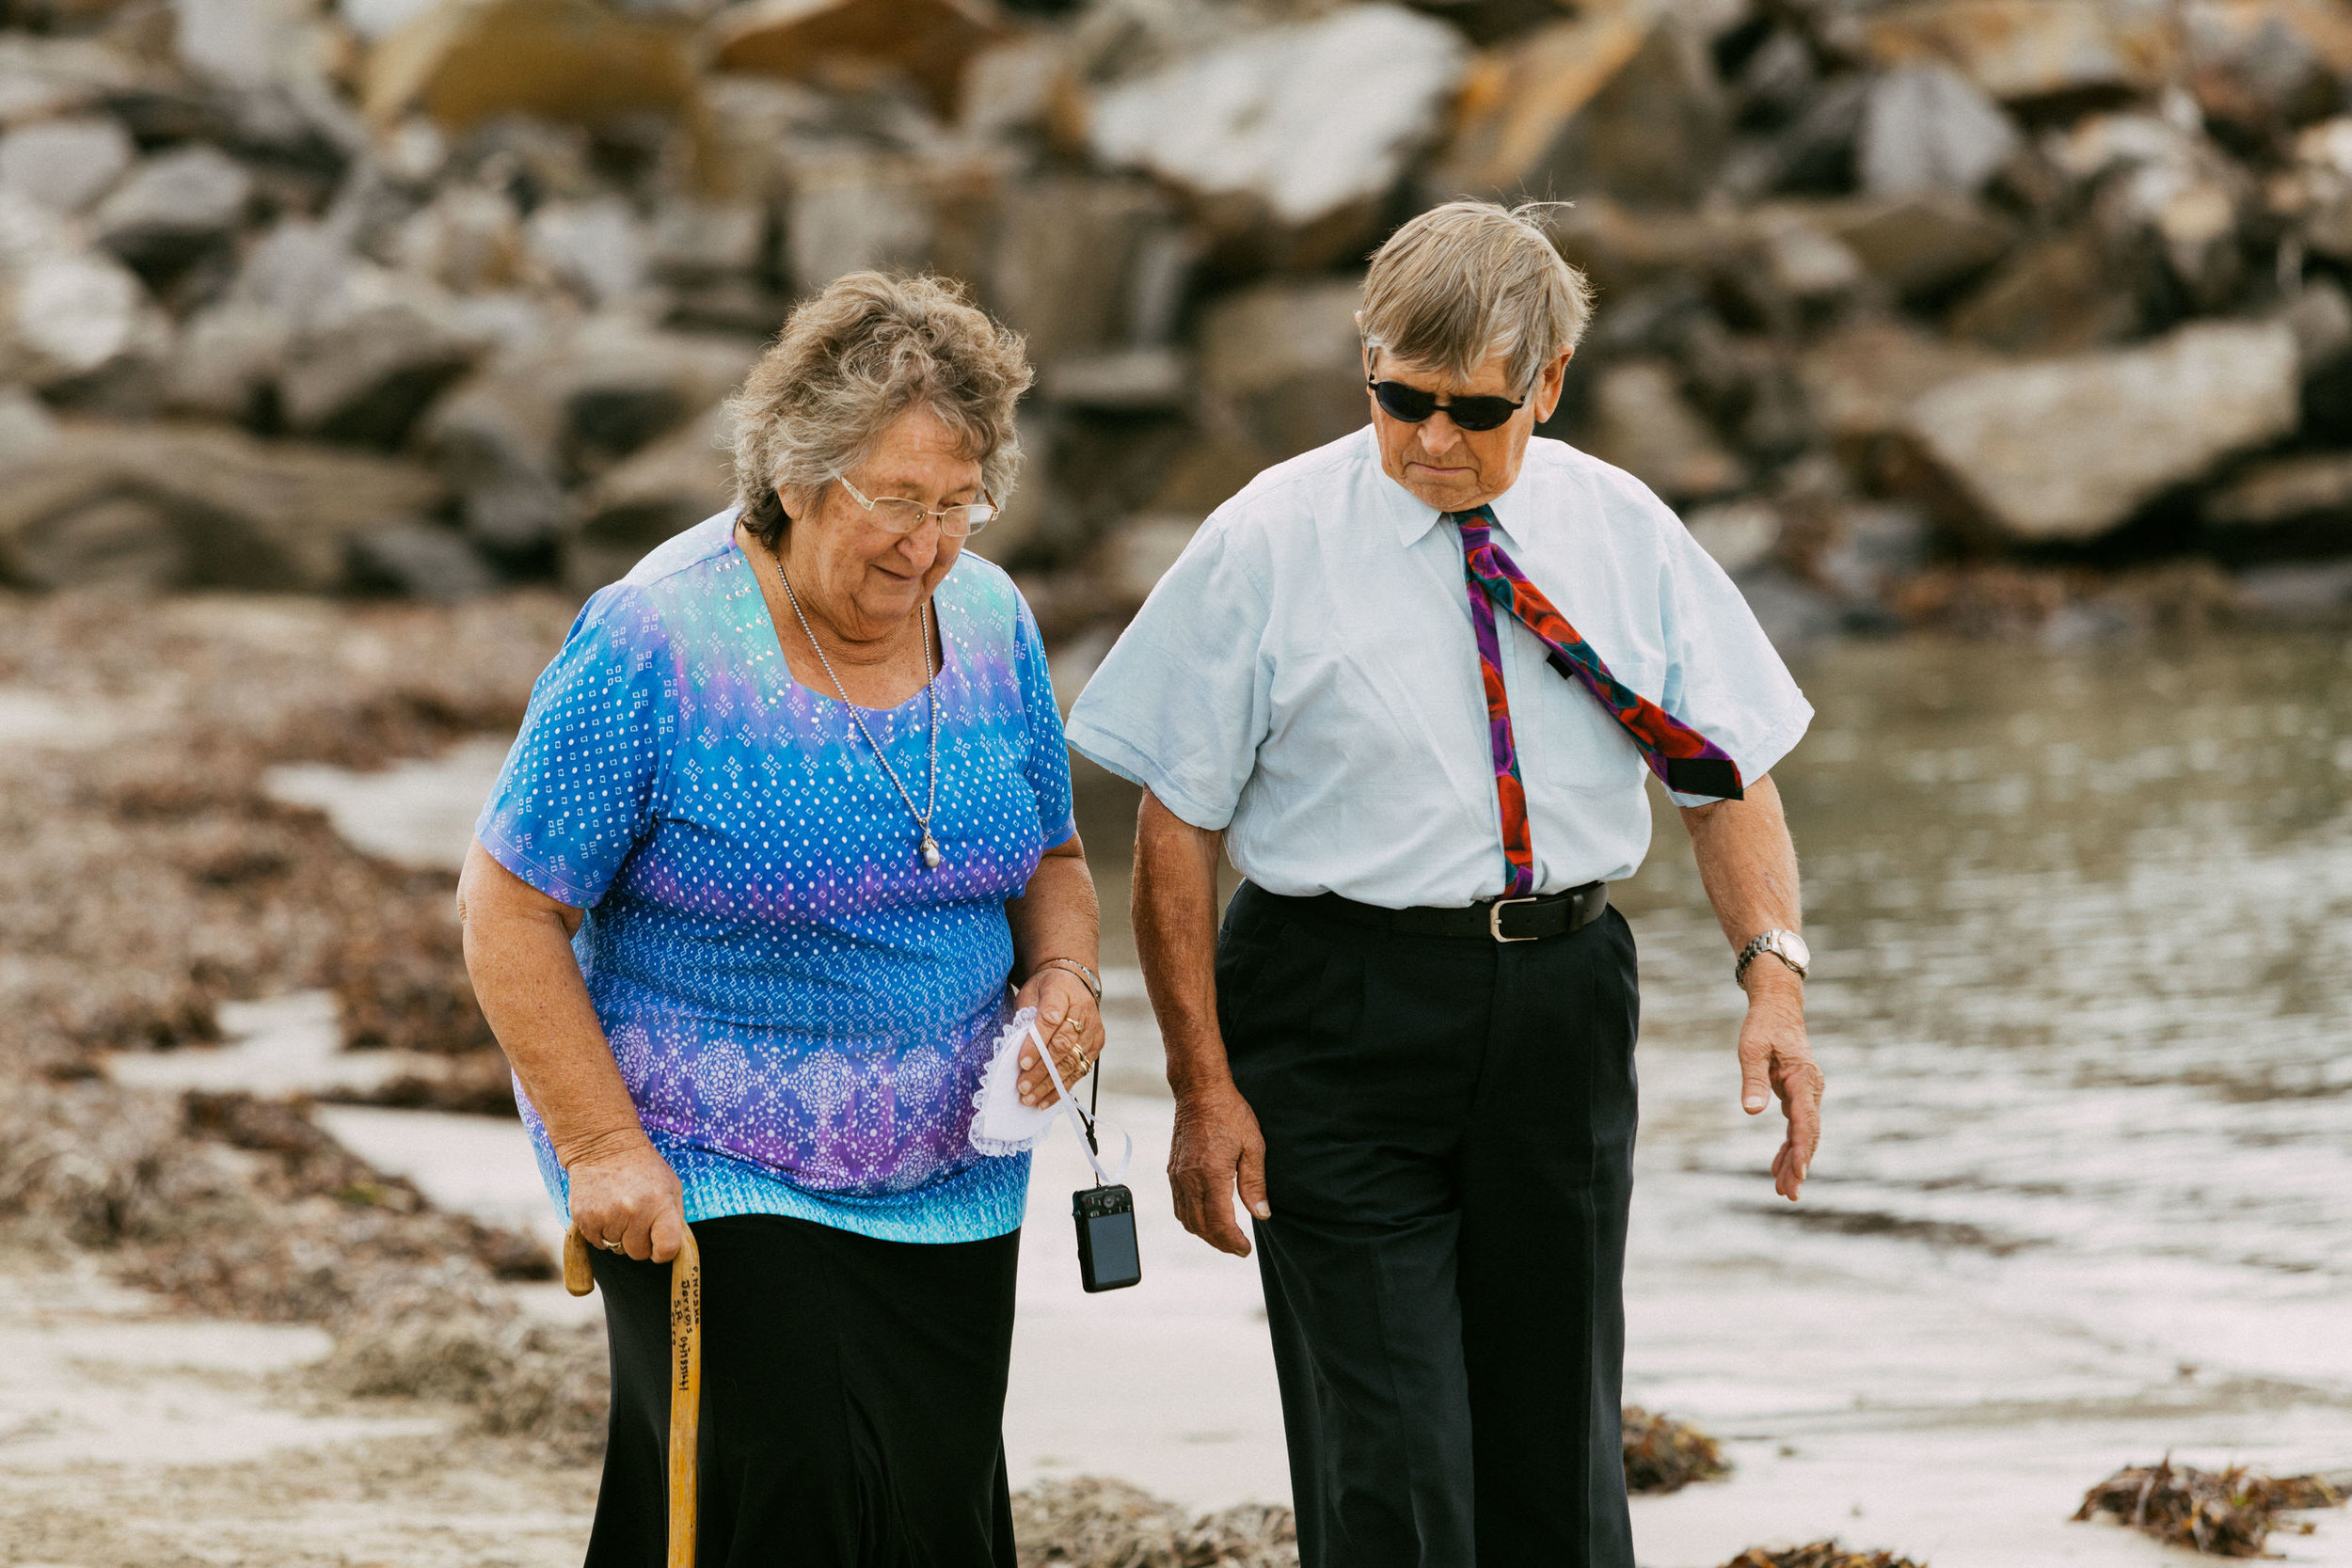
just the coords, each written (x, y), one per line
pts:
(1072, 1026)
(1776, 1058)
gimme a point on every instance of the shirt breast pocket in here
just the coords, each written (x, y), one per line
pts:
(1569, 741)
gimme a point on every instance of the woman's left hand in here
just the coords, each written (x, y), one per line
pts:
(1072, 1026)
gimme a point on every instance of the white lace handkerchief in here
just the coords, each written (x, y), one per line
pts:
(1004, 1125)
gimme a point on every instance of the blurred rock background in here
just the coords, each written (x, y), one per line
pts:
(1998, 315)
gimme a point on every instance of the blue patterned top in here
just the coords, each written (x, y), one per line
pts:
(800, 1010)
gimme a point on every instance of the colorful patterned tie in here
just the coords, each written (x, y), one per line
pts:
(1686, 760)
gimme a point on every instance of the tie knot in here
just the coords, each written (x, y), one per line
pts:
(1478, 520)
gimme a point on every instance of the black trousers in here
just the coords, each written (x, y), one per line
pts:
(853, 1401)
(1449, 1127)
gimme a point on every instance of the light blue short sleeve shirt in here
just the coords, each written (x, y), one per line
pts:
(1306, 679)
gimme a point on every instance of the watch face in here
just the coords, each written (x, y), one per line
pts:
(1794, 946)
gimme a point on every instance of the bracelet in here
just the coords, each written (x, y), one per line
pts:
(1087, 978)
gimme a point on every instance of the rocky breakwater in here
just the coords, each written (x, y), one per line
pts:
(1990, 314)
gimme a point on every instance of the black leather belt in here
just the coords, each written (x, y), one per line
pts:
(1550, 914)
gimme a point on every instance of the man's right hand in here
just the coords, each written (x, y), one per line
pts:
(1218, 1150)
(628, 1195)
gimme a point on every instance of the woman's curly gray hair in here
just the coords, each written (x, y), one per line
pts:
(852, 359)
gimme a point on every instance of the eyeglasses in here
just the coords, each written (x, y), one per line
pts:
(1412, 405)
(898, 515)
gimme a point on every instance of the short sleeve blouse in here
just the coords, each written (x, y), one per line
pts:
(800, 1009)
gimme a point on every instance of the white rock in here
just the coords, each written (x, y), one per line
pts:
(188, 192)
(697, 239)
(2067, 449)
(75, 312)
(853, 213)
(1739, 534)
(1927, 127)
(65, 164)
(1306, 119)
(597, 246)
(242, 43)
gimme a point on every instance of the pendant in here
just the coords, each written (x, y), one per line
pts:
(930, 851)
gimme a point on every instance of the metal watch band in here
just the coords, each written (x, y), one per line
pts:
(1768, 941)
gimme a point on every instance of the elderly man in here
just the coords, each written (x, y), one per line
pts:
(1409, 682)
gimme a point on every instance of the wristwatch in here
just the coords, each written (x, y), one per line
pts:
(1786, 946)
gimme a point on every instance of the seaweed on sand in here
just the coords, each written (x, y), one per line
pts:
(1666, 1455)
(1089, 1522)
(2224, 1512)
(1818, 1554)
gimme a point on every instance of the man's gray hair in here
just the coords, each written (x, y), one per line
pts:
(851, 360)
(1470, 280)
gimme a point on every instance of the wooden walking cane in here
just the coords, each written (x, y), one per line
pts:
(686, 1375)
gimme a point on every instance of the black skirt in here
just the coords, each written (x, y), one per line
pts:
(853, 1401)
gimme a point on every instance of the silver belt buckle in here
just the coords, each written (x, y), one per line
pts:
(1494, 917)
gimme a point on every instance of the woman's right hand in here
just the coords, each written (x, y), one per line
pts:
(628, 1199)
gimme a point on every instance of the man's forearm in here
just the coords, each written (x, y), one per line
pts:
(1747, 863)
(1175, 922)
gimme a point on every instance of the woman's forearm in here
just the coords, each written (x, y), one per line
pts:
(1058, 914)
(518, 952)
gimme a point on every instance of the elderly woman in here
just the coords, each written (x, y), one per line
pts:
(788, 818)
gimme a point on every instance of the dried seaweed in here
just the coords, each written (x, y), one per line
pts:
(2222, 1512)
(1666, 1455)
(1818, 1554)
(1089, 1522)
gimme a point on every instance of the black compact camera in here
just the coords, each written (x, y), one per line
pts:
(1107, 1257)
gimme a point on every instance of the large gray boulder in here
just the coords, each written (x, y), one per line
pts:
(2067, 449)
(195, 506)
(516, 435)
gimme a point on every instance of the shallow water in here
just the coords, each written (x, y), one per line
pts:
(2083, 928)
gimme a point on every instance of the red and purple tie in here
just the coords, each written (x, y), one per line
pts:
(1686, 760)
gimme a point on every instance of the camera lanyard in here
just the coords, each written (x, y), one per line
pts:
(1084, 1122)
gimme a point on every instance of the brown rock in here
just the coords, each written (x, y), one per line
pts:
(1921, 245)
(929, 40)
(1642, 423)
(1075, 261)
(1285, 361)
(1620, 101)
(1620, 249)
(574, 61)
(2026, 49)
(2284, 490)
(2058, 296)
(2066, 449)
(2259, 64)
(200, 506)
(1860, 383)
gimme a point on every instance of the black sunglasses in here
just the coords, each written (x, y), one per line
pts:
(1412, 405)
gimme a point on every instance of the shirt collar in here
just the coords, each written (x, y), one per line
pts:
(1413, 518)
